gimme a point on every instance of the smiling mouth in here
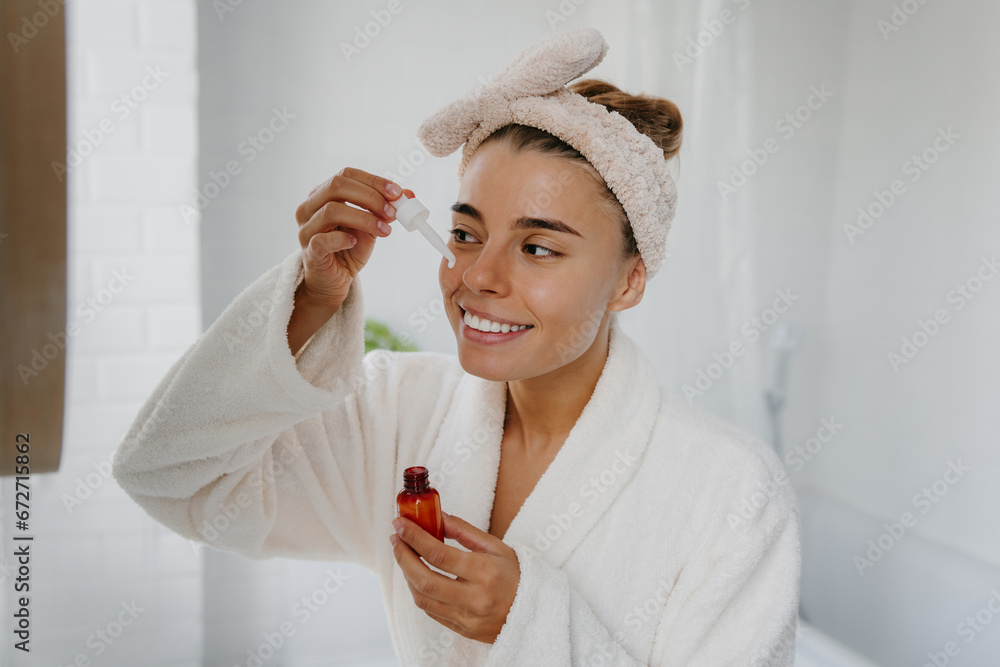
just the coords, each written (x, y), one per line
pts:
(487, 326)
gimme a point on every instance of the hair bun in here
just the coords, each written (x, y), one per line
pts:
(656, 117)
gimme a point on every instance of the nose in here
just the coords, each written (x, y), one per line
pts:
(489, 271)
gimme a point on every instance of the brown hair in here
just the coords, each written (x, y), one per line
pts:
(656, 117)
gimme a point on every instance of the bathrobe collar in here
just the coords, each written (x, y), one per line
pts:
(600, 455)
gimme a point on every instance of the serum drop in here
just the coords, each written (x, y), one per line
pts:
(420, 502)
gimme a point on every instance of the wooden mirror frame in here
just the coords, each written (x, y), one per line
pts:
(33, 334)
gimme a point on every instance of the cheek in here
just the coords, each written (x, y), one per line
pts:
(577, 306)
(450, 282)
(559, 303)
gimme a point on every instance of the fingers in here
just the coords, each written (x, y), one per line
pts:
(472, 538)
(336, 214)
(318, 252)
(415, 542)
(435, 552)
(355, 186)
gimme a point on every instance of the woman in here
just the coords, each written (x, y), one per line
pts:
(591, 517)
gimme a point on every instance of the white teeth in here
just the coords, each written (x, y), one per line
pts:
(485, 325)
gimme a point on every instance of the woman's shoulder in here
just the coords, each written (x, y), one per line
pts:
(718, 455)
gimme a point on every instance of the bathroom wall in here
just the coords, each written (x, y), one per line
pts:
(133, 292)
(920, 428)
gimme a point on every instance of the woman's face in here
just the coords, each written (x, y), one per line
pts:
(534, 246)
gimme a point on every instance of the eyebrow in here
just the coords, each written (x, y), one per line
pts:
(523, 222)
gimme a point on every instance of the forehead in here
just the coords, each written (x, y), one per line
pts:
(526, 182)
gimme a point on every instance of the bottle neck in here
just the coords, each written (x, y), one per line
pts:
(415, 480)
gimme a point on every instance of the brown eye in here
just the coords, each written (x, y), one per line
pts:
(455, 232)
(551, 253)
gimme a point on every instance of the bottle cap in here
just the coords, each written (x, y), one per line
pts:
(413, 216)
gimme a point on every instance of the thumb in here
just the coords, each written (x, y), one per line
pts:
(469, 536)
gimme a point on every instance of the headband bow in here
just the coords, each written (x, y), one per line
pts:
(531, 91)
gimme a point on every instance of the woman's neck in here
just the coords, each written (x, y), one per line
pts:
(542, 410)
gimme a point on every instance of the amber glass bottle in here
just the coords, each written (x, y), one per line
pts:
(420, 502)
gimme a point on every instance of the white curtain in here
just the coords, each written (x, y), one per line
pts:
(695, 306)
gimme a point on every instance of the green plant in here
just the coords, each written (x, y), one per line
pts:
(378, 336)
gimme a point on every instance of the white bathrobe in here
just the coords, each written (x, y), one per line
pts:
(658, 535)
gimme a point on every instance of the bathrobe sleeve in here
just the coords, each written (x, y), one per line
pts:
(231, 449)
(734, 604)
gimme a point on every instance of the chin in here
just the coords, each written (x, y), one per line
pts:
(474, 363)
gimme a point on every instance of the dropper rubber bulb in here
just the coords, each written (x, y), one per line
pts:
(413, 215)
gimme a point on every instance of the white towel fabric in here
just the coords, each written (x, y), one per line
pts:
(658, 535)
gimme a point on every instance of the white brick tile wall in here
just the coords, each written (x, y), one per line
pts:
(174, 556)
(113, 73)
(147, 280)
(139, 179)
(170, 327)
(124, 377)
(170, 129)
(113, 329)
(104, 125)
(165, 231)
(81, 378)
(108, 23)
(166, 24)
(105, 229)
(123, 200)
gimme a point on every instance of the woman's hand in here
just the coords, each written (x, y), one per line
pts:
(476, 603)
(337, 240)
